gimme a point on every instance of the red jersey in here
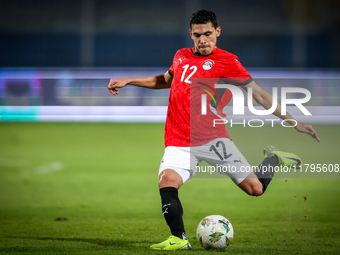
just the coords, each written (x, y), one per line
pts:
(194, 75)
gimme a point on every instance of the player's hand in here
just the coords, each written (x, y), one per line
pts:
(116, 83)
(308, 129)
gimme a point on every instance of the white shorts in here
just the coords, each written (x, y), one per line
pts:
(221, 153)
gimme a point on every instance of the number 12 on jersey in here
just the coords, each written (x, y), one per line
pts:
(193, 70)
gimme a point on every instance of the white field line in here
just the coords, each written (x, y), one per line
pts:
(45, 169)
(53, 167)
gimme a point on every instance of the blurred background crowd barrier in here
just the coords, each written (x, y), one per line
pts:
(263, 33)
(56, 57)
(81, 94)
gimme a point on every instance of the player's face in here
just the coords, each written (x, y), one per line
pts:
(204, 37)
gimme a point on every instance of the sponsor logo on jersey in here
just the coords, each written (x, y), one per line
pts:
(208, 64)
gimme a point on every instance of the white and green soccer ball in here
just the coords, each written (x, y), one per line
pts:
(215, 232)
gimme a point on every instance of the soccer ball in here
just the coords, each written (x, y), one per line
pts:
(215, 232)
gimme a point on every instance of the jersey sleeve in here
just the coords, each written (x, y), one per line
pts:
(237, 74)
(172, 67)
(171, 71)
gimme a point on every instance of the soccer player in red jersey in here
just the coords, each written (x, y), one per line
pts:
(188, 137)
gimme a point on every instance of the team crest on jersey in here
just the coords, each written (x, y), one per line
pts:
(208, 64)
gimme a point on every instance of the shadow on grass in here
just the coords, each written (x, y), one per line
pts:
(28, 244)
(97, 241)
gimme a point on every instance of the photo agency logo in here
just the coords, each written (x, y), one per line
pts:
(238, 105)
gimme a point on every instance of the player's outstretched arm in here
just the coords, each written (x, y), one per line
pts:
(161, 81)
(265, 99)
(308, 129)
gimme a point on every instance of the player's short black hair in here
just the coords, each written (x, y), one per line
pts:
(203, 17)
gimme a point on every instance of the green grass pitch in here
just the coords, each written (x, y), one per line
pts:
(91, 188)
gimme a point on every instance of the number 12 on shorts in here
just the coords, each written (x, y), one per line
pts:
(224, 151)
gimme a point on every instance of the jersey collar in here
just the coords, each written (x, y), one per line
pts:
(199, 54)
